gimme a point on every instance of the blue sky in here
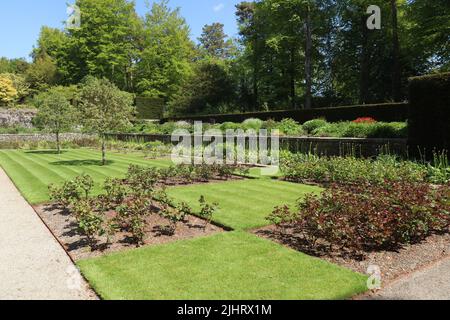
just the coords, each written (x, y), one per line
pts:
(21, 20)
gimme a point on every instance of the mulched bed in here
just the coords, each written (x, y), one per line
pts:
(64, 227)
(393, 264)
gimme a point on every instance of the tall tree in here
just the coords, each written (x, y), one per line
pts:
(42, 74)
(308, 58)
(428, 32)
(166, 59)
(215, 42)
(396, 72)
(210, 89)
(51, 42)
(106, 43)
(248, 29)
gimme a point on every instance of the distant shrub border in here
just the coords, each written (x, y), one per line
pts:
(288, 127)
(387, 112)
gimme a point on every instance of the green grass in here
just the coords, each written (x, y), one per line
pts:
(235, 265)
(243, 204)
(33, 171)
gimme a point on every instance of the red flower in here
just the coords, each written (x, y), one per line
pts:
(365, 120)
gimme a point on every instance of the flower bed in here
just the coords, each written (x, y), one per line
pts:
(134, 210)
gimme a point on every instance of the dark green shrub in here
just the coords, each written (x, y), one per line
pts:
(254, 124)
(207, 210)
(290, 127)
(149, 108)
(90, 223)
(345, 170)
(65, 195)
(312, 125)
(85, 183)
(429, 116)
(116, 191)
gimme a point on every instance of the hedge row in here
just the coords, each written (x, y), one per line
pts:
(386, 112)
(149, 108)
(429, 118)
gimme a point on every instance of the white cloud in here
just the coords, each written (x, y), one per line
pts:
(218, 7)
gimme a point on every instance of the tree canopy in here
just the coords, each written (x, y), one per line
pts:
(288, 54)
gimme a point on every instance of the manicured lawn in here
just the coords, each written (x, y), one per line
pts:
(235, 265)
(230, 265)
(33, 171)
(243, 204)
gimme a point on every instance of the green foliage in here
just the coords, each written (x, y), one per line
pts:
(15, 66)
(214, 41)
(55, 113)
(118, 26)
(303, 167)
(104, 108)
(149, 108)
(313, 125)
(290, 127)
(360, 130)
(164, 62)
(85, 183)
(116, 192)
(132, 215)
(65, 195)
(42, 74)
(254, 124)
(318, 128)
(207, 210)
(90, 223)
(209, 89)
(282, 216)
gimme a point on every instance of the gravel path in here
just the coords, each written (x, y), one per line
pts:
(431, 283)
(33, 265)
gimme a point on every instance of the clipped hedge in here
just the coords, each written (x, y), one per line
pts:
(386, 112)
(429, 117)
(149, 108)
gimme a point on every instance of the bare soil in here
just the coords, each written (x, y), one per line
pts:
(65, 229)
(393, 264)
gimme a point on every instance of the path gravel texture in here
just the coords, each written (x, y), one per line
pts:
(33, 265)
(430, 283)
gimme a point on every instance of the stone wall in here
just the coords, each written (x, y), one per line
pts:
(43, 137)
(321, 146)
(17, 117)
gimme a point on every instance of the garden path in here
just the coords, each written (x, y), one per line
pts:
(431, 283)
(33, 265)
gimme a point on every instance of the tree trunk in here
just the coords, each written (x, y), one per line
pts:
(364, 65)
(396, 75)
(292, 79)
(308, 61)
(58, 145)
(103, 151)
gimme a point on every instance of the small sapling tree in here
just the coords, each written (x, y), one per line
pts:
(104, 108)
(55, 113)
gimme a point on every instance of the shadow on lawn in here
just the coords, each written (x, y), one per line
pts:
(79, 163)
(45, 152)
